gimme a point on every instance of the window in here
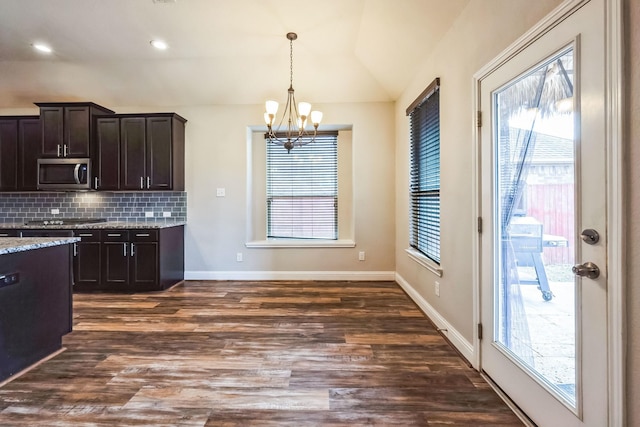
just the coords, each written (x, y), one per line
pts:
(302, 190)
(424, 117)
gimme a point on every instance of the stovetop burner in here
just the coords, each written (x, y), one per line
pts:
(64, 221)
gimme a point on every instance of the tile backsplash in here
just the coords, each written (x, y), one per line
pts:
(116, 206)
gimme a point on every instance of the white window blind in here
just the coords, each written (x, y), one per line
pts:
(302, 189)
(424, 115)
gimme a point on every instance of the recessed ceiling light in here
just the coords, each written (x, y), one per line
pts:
(42, 47)
(159, 44)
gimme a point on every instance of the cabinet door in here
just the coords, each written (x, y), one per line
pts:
(133, 146)
(29, 140)
(107, 167)
(52, 131)
(86, 265)
(76, 132)
(8, 154)
(144, 265)
(159, 151)
(115, 259)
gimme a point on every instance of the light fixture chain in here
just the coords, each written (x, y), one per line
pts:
(291, 63)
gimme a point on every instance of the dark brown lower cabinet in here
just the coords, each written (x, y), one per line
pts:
(130, 260)
(115, 260)
(86, 259)
(144, 266)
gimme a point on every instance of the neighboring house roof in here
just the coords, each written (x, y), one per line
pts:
(552, 149)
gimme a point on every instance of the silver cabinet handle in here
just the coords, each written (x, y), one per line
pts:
(114, 234)
(65, 150)
(124, 249)
(58, 150)
(85, 235)
(95, 180)
(141, 183)
(133, 249)
(142, 234)
(148, 182)
(75, 249)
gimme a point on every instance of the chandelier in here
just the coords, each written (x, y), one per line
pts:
(291, 129)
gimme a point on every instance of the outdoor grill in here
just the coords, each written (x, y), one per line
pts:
(527, 241)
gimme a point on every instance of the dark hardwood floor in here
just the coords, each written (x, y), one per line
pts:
(253, 354)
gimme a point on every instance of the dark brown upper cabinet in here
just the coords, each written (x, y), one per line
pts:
(8, 154)
(19, 148)
(151, 152)
(107, 164)
(29, 137)
(67, 128)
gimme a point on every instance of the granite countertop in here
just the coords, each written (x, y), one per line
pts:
(97, 225)
(9, 245)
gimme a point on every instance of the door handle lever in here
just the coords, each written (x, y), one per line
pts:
(588, 269)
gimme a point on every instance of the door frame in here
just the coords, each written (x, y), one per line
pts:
(615, 172)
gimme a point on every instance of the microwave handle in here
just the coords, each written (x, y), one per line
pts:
(76, 173)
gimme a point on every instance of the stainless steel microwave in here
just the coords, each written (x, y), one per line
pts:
(64, 174)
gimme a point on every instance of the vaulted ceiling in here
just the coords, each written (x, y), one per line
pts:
(220, 51)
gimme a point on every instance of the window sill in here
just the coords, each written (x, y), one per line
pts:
(424, 261)
(300, 243)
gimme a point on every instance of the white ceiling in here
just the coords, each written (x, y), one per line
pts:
(221, 51)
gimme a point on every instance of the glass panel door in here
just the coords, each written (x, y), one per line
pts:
(535, 221)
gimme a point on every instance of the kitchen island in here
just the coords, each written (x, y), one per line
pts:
(35, 300)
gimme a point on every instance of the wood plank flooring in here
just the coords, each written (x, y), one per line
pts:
(253, 354)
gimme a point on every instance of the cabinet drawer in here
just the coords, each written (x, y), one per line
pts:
(114, 235)
(88, 235)
(144, 235)
(9, 233)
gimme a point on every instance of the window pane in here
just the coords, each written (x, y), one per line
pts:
(425, 176)
(302, 190)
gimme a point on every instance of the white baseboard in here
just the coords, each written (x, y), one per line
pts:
(290, 275)
(460, 343)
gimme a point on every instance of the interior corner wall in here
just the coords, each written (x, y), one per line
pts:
(632, 138)
(479, 34)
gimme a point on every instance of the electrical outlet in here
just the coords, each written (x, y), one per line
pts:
(148, 214)
(55, 211)
(437, 285)
(239, 257)
(361, 256)
(166, 214)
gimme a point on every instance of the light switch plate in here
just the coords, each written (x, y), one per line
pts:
(166, 214)
(220, 192)
(148, 214)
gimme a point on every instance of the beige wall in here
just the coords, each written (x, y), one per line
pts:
(479, 34)
(632, 84)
